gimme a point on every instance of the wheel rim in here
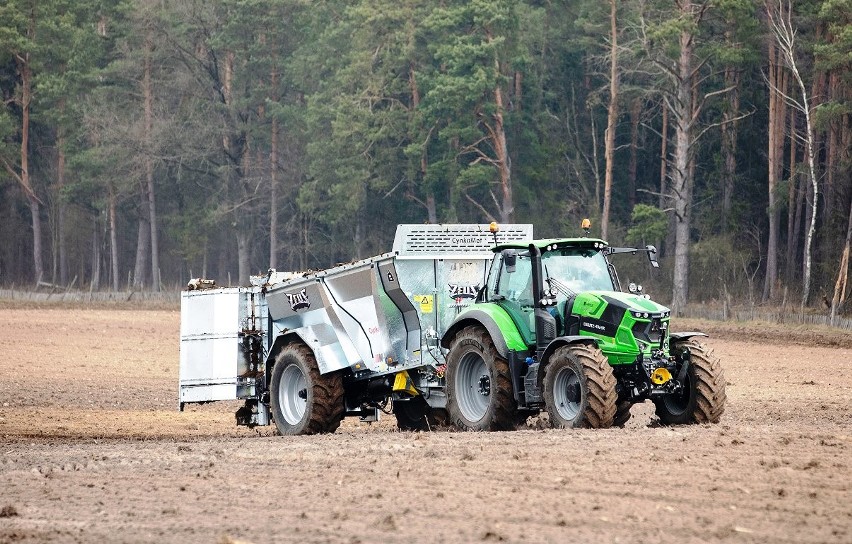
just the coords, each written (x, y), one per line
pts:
(567, 394)
(293, 394)
(473, 387)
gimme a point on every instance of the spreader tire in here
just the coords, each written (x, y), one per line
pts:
(412, 414)
(579, 388)
(304, 401)
(703, 397)
(479, 386)
(622, 413)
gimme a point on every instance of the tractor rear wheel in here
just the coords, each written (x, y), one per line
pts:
(304, 401)
(579, 388)
(703, 397)
(479, 386)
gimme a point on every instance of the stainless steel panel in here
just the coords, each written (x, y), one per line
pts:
(211, 356)
(305, 307)
(436, 241)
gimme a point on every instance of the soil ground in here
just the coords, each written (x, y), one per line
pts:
(94, 449)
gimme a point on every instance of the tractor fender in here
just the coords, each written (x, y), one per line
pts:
(477, 317)
(557, 343)
(678, 336)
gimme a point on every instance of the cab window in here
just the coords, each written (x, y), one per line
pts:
(517, 286)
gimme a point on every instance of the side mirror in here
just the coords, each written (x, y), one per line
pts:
(510, 259)
(652, 256)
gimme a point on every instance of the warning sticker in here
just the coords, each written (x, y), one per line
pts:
(425, 302)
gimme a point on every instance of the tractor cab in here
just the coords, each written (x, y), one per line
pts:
(574, 289)
(568, 267)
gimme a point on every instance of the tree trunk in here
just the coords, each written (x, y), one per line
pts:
(113, 237)
(809, 141)
(612, 117)
(24, 177)
(664, 159)
(595, 169)
(832, 145)
(143, 239)
(96, 257)
(62, 249)
(431, 209)
(501, 152)
(843, 272)
(792, 216)
(243, 251)
(358, 236)
(682, 181)
(273, 192)
(633, 167)
(777, 117)
(729, 143)
(149, 162)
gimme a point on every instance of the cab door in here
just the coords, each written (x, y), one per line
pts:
(513, 292)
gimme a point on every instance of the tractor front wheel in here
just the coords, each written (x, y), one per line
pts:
(702, 399)
(304, 401)
(579, 388)
(479, 386)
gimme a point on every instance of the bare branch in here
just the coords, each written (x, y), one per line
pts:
(480, 207)
(711, 94)
(720, 123)
(13, 173)
(389, 193)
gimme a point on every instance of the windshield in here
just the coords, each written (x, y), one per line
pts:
(577, 270)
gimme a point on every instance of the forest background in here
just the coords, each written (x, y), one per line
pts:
(145, 142)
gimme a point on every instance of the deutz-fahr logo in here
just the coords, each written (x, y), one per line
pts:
(299, 301)
(467, 292)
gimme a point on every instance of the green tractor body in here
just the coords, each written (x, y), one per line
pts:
(573, 343)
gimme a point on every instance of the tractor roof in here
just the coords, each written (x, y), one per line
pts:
(581, 243)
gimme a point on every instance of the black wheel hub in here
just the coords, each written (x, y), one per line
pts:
(303, 394)
(574, 392)
(484, 385)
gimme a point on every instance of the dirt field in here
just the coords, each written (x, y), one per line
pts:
(93, 449)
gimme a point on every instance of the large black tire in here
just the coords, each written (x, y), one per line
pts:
(303, 401)
(579, 388)
(622, 413)
(412, 414)
(479, 386)
(703, 397)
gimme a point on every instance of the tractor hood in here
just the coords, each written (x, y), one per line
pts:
(624, 324)
(596, 303)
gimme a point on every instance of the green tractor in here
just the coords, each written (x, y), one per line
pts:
(552, 330)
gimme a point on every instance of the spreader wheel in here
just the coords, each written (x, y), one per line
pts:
(622, 413)
(304, 401)
(579, 388)
(703, 397)
(413, 414)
